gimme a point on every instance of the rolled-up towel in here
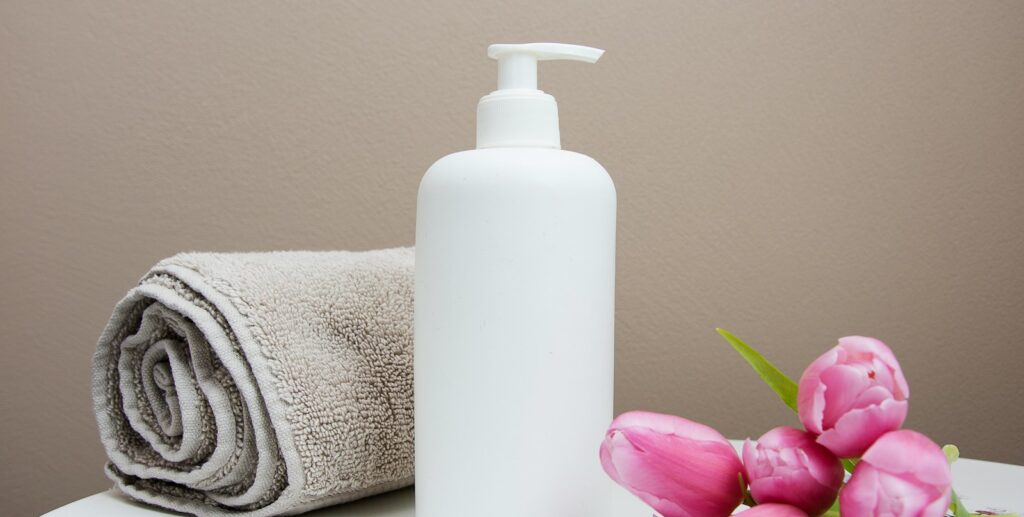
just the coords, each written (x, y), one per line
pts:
(260, 383)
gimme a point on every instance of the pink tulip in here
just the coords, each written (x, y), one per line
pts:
(787, 466)
(678, 467)
(902, 474)
(773, 510)
(853, 394)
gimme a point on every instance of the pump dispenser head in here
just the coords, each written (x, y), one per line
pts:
(517, 114)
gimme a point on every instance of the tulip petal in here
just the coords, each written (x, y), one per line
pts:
(844, 383)
(667, 424)
(791, 488)
(903, 474)
(859, 497)
(901, 496)
(875, 347)
(607, 462)
(872, 396)
(697, 475)
(909, 451)
(658, 459)
(749, 457)
(858, 429)
(885, 376)
(787, 466)
(705, 473)
(811, 391)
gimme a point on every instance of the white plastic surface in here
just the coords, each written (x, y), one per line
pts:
(983, 485)
(515, 284)
(517, 63)
(517, 114)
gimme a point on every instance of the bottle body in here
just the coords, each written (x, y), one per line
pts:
(515, 275)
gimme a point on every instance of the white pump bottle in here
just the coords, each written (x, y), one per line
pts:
(515, 287)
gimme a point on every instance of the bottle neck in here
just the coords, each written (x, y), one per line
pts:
(517, 118)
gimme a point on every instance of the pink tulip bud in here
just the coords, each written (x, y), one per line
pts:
(853, 394)
(678, 467)
(787, 466)
(773, 510)
(903, 473)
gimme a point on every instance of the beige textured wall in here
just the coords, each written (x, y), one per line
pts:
(793, 171)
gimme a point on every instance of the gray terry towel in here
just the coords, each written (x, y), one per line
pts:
(260, 383)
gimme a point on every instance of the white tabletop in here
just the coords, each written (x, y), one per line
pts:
(982, 485)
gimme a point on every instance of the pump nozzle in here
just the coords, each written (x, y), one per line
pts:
(518, 114)
(517, 64)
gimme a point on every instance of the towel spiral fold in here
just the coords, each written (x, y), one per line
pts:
(260, 384)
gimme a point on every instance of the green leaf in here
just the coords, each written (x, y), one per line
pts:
(952, 453)
(958, 507)
(849, 464)
(783, 386)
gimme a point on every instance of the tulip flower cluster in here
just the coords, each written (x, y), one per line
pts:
(852, 402)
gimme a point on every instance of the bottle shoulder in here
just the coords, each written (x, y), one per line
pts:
(517, 166)
(523, 156)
